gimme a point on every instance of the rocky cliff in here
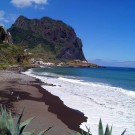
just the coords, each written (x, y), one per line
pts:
(52, 37)
(5, 36)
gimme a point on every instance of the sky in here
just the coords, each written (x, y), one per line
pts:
(106, 27)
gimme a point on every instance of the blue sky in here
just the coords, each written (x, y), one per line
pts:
(106, 27)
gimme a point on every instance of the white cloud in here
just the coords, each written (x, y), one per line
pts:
(2, 17)
(28, 3)
(41, 7)
(2, 13)
(7, 18)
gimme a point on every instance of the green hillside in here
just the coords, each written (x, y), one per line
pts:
(11, 54)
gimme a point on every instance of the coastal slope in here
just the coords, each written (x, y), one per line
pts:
(47, 38)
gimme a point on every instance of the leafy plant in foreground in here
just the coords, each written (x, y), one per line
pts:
(100, 130)
(107, 130)
(7, 124)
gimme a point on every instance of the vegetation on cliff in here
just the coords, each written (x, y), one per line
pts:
(53, 39)
(45, 39)
(12, 55)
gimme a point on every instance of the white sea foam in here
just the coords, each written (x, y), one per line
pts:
(115, 106)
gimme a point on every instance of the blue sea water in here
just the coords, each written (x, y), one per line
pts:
(118, 77)
(107, 93)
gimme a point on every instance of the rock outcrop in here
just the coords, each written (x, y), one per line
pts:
(54, 36)
(5, 36)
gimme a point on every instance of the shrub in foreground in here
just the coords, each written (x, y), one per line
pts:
(108, 131)
(7, 124)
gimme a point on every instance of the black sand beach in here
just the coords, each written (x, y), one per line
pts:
(48, 109)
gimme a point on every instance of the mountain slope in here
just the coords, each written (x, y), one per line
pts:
(56, 39)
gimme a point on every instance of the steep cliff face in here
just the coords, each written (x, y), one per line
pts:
(54, 36)
(5, 37)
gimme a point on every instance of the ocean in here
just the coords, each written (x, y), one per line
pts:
(106, 93)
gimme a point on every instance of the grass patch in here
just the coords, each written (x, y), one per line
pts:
(4, 66)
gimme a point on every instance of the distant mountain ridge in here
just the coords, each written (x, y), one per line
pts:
(114, 63)
(50, 38)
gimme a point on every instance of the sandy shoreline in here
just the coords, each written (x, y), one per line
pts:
(48, 109)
